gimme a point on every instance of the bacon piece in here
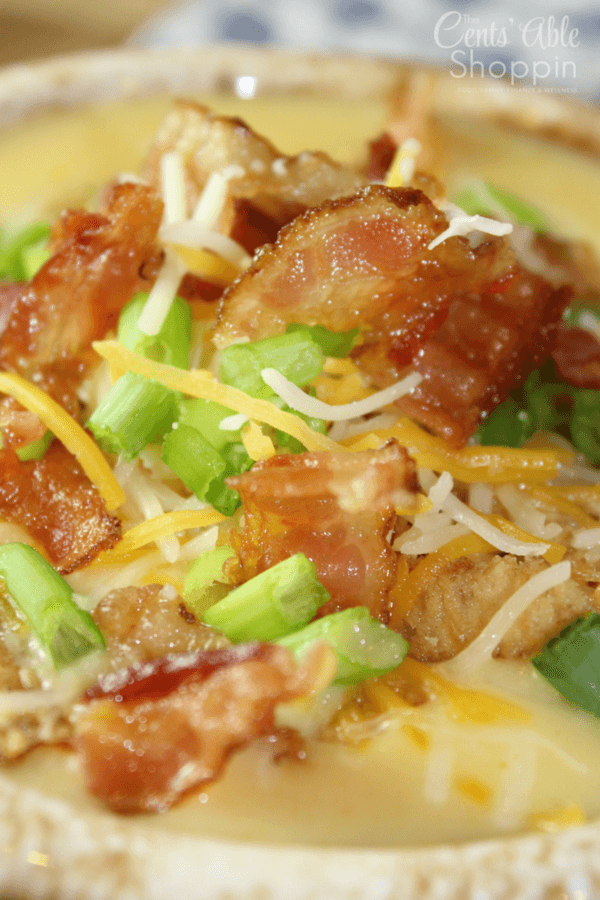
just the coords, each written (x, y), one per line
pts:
(337, 509)
(486, 347)
(278, 186)
(55, 501)
(93, 271)
(577, 357)
(178, 720)
(144, 623)
(361, 261)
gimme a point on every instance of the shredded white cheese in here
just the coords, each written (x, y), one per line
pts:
(162, 294)
(461, 224)
(233, 423)
(172, 178)
(481, 497)
(441, 490)
(484, 645)
(460, 512)
(586, 538)
(211, 201)
(310, 406)
(194, 234)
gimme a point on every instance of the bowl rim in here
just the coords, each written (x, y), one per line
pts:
(105, 857)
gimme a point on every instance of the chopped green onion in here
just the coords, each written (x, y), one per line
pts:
(11, 253)
(509, 425)
(34, 257)
(206, 416)
(364, 646)
(285, 440)
(571, 663)
(483, 199)
(225, 499)
(135, 412)
(172, 343)
(64, 630)
(270, 605)
(35, 449)
(204, 584)
(296, 356)
(332, 343)
(192, 458)
(585, 423)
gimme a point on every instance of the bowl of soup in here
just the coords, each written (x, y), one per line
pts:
(462, 769)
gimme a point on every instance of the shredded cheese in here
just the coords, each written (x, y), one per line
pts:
(473, 656)
(172, 177)
(162, 294)
(310, 406)
(586, 538)
(195, 235)
(461, 224)
(402, 168)
(211, 201)
(460, 512)
(491, 465)
(201, 383)
(160, 527)
(72, 435)
(257, 444)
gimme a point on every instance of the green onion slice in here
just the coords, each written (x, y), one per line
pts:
(570, 662)
(486, 199)
(64, 630)
(272, 604)
(12, 263)
(205, 584)
(192, 458)
(172, 343)
(364, 646)
(135, 412)
(332, 343)
(295, 355)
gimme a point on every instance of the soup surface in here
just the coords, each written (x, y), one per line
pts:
(426, 775)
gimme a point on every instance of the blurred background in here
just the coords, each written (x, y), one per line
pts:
(563, 36)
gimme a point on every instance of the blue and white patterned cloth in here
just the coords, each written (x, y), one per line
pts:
(554, 44)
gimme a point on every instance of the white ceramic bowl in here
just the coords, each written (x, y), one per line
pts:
(54, 848)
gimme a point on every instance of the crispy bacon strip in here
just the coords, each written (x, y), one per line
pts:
(486, 347)
(361, 261)
(55, 501)
(173, 724)
(93, 271)
(337, 509)
(273, 184)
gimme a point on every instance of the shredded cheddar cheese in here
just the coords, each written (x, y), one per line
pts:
(200, 383)
(159, 527)
(207, 265)
(492, 465)
(70, 433)
(258, 445)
